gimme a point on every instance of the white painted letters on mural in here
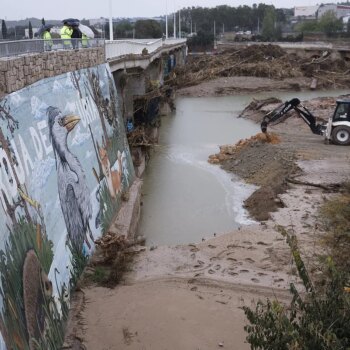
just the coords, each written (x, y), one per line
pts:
(12, 186)
(5, 176)
(42, 125)
(19, 167)
(26, 156)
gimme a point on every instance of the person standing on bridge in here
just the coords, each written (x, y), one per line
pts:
(76, 36)
(66, 33)
(47, 39)
(84, 40)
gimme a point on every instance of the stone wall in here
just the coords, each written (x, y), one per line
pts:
(19, 72)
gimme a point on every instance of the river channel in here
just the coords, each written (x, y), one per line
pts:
(184, 197)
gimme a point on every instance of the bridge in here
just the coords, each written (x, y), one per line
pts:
(24, 62)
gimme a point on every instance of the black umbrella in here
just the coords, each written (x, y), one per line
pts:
(74, 22)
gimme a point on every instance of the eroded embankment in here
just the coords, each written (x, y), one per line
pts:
(259, 161)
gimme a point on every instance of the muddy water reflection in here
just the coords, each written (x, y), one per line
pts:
(184, 197)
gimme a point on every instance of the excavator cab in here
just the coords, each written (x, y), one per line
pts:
(336, 130)
(338, 126)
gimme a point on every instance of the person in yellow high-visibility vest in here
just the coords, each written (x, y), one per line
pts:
(84, 40)
(47, 39)
(66, 33)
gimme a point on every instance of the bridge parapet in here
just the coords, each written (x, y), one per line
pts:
(119, 48)
(25, 47)
(20, 71)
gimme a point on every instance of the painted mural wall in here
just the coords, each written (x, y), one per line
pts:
(64, 164)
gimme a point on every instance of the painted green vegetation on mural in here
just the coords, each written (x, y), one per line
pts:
(113, 181)
(30, 315)
(77, 140)
(29, 318)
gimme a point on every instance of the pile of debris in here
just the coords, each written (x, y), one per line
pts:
(268, 61)
(226, 151)
(110, 244)
(140, 136)
(112, 258)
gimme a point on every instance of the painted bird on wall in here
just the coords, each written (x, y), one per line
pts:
(72, 188)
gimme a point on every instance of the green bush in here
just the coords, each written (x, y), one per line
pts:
(317, 319)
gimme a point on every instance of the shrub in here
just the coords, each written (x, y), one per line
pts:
(320, 319)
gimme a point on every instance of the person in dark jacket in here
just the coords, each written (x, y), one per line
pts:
(76, 35)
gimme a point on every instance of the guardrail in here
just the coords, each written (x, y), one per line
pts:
(119, 48)
(24, 47)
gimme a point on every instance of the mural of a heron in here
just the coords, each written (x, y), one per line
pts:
(72, 188)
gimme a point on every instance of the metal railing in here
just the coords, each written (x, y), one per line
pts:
(24, 47)
(119, 48)
(113, 49)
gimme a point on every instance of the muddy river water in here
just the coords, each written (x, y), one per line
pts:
(184, 197)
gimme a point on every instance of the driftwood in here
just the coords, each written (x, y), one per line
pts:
(331, 187)
(138, 137)
(111, 244)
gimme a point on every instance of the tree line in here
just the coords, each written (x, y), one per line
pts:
(263, 20)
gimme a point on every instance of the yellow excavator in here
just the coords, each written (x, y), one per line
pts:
(336, 130)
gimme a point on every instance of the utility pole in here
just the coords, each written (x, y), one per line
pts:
(174, 24)
(179, 24)
(223, 28)
(110, 21)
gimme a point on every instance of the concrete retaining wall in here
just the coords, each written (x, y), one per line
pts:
(65, 168)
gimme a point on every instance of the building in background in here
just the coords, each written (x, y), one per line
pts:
(339, 10)
(306, 12)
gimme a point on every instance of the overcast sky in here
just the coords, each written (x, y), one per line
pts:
(49, 9)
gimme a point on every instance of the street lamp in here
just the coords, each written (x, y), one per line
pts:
(110, 21)
(166, 19)
(179, 23)
(174, 21)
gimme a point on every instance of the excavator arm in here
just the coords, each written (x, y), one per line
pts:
(302, 111)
